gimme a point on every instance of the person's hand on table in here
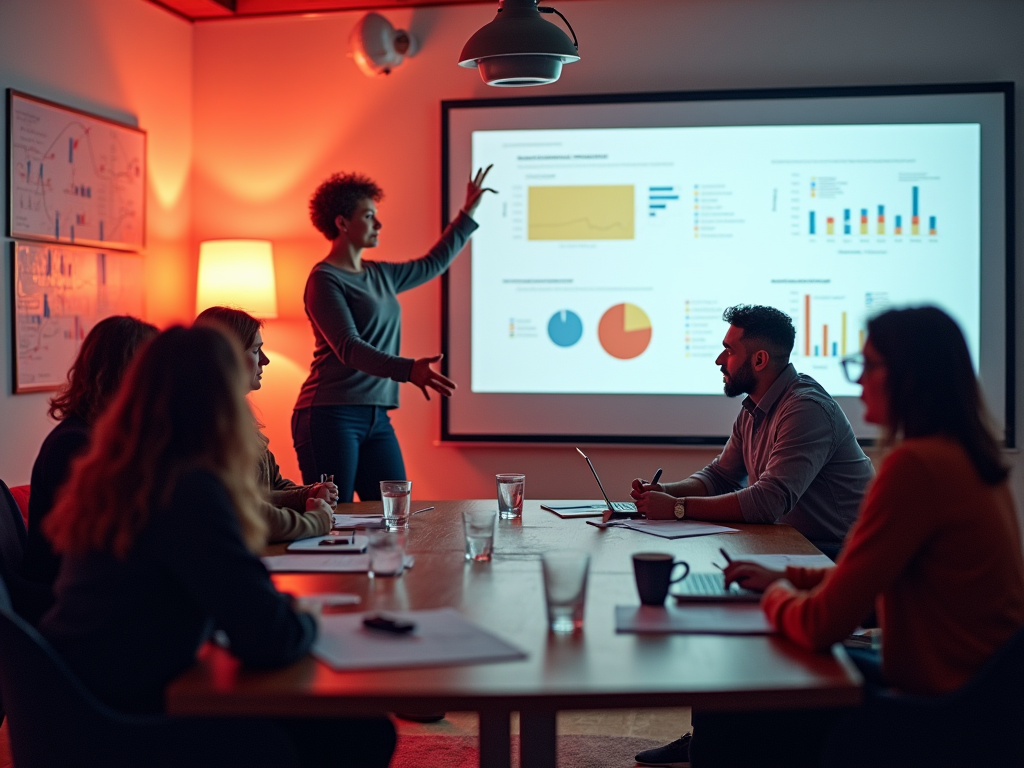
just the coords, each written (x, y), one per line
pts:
(475, 190)
(316, 504)
(639, 486)
(313, 607)
(655, 504)
(426, 378)
(751, 575)
(327, 491)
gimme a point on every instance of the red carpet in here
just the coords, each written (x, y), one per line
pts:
(573, 751)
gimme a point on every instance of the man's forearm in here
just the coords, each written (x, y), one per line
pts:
(691, 486)
(715, 509)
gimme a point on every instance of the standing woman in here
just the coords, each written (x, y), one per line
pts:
(340, 425)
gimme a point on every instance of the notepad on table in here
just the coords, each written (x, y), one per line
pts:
(322, 563)
(676, 529)
(442, 637)
(701, 619)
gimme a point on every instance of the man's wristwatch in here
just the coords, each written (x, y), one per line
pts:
(679, 510)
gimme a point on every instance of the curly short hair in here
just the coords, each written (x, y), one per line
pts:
(765, 325)
(339, 196)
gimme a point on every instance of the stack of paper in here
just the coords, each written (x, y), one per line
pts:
(676, 529)
(441, 638)
(702, 619)
(322, 563)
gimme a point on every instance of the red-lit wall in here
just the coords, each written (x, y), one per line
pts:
(130, 61)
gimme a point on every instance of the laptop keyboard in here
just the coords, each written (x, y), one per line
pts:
(625, 506)
(708, 585)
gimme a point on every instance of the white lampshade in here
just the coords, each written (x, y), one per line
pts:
(237, 273)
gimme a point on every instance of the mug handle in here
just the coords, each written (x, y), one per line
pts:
(686, 573)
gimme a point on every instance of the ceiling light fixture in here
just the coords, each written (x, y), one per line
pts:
(519, 48)
(378, 47)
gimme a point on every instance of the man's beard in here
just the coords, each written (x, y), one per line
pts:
(743, 383)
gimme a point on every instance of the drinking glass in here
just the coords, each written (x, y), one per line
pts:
(511, 489)
(479, 525)
(387, 553)
(565, 589)
(397, 498)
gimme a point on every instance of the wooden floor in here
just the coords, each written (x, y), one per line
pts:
(657, 724)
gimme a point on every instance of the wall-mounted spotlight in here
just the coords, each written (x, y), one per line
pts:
(378, 47)
(520, 48)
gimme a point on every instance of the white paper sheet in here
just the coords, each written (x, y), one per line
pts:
(701, 619)
(332, 599)
(441, 638)
(779, 562)
(358, 521)
(322, 563)
(312, 545)
(676, 529)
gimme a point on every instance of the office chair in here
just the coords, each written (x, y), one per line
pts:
(12, 543)
(979, 724)
(54, 721)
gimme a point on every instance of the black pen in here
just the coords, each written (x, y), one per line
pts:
(657, 477)
(725, 555)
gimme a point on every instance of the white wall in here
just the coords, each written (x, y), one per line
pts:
(279, 107)
(130, 61)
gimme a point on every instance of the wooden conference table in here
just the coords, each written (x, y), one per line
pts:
(595, 669)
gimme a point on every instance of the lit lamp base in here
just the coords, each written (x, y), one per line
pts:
(518, 70)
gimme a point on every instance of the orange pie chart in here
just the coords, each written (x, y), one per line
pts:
(624, 331)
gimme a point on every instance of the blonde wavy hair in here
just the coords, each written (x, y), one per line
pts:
(181, 406)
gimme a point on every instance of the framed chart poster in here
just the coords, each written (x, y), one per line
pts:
(74, 177)
(60, 293)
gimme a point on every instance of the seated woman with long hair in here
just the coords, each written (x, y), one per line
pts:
(94, 378)
(936, 550)
(159, 526)
(291, 511)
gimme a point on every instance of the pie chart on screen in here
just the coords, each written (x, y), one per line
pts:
(624, 331)
(565, 328)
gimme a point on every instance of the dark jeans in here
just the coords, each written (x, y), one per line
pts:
(355, 443)
(326, 743)
(790, 738)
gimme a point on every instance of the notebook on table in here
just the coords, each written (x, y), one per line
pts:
(710, 588)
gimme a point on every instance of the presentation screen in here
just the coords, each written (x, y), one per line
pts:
(589, 304)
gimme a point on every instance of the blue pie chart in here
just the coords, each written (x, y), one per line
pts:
(565, 328)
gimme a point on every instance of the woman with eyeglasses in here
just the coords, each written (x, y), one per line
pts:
(936, 550)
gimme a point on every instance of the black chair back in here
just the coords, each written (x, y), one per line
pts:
(12, 534)
(54, 721)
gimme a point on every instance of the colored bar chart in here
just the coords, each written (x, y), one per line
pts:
(863, 221)
(830, 226)
(812, 223)
(807, 325)
(932, 231)
(829, 343)
(846, 221)
(915, 220)
(658, 199)
(881, 219)
(898, 229)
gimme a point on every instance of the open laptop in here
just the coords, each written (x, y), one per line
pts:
(605, 509)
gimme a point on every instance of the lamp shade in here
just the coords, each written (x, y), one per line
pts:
(237, 273)
(518, 48)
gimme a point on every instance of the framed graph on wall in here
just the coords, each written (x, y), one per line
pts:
(59, 293)
(74, 177)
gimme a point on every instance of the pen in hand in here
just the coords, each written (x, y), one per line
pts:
(657, 477)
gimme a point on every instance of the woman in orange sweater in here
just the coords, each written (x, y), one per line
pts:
(936, 550)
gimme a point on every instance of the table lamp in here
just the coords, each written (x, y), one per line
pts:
(237, 273)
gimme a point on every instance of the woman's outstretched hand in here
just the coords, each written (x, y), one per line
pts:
(475, 189)
(426, 378)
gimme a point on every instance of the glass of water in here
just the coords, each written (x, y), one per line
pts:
(387, 553)
(511, 490)
(397, 498)
(565, 589)
(479, 525)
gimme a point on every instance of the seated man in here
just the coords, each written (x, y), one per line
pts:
(792, 441)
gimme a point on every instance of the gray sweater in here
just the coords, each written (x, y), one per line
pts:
(357, 324)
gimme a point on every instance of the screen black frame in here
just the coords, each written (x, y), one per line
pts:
(1006, 89)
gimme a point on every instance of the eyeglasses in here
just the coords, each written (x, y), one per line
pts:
(854, 367)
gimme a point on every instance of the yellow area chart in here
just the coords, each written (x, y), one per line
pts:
(604, 212)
